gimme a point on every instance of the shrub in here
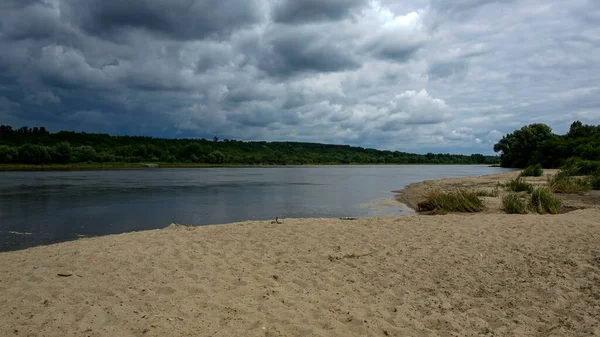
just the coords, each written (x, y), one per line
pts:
(580, 167)
(532, 171)
(518, 185)
(562, 182)
(513, 204)
(595, 182)
(543, 201)
(455, 201)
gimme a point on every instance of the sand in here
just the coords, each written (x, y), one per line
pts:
(450, 275)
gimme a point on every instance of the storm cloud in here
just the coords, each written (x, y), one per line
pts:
(419, 75)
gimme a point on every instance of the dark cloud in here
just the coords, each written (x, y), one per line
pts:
(413, 75)
(461, 7)
(292, 51)
(301, 11)
(446, 69)
(31, 21)
(213, 55)
(178, 19)
(249, 93)
(398, 51)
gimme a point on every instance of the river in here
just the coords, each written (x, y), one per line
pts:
(47, 207)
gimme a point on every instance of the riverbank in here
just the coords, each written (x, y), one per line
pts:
(482, 274)
(412, 194)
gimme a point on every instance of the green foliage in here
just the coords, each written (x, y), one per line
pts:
(536, 143)
(595, 182)
(456, 201)
(84, 154)
(580, 167)
(8, 154)
(543, 201)
(33, 154)
(563, 182)
(519, 148)
(216, 157)
(62, 153)
(532, 171)
(513, 204)
(518, 185)
(74, 147)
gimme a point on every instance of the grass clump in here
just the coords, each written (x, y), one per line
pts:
(513, 204)
(518, 185)
(455, 201)
(563, 182)
(532, 171)
(543, 201)
(487, 193)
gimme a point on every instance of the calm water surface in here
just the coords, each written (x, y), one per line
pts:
(46, 207)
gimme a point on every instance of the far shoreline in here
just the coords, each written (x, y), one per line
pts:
(148, 166)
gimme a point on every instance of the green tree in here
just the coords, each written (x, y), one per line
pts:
(216, 157)
(63, 153)
(34, 154)
(8, 154)
(107, 148)
(195, 149)
(84, 154)
(519, 149)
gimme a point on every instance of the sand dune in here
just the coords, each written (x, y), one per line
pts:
(452, 275)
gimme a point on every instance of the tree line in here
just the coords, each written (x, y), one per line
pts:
(537, 144)
(38, 146)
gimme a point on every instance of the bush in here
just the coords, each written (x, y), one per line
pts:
(518, 185)
(543, 201)
(580, 167)
(595, 182)
(532, 171)
(513, 204)
(456, 201)
(562, 182)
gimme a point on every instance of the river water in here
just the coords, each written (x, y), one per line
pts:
(47, 207)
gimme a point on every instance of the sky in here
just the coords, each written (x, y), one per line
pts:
(415, 75)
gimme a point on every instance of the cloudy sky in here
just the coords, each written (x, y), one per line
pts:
(414, 75)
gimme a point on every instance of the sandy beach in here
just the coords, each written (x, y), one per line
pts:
(452, 275)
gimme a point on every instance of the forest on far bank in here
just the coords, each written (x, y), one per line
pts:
(537, 144)
(35, 146)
